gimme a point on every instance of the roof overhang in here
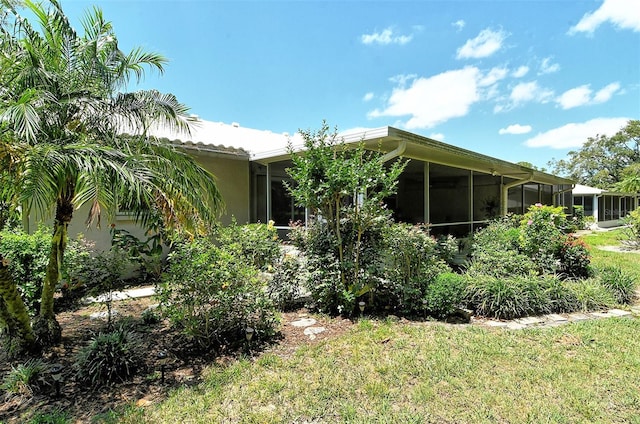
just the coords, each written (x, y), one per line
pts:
(387, 139)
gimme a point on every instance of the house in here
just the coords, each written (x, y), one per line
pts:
(455, 190)
(606, 207)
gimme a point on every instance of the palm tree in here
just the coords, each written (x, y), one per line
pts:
(62, 107)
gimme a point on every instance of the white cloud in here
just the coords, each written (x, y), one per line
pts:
(433, 100)
(459, 24)
(520, 72)
(623, 14)
(493, 76)
(575, 134)
(515, 129)
(528, 92)
(402, 79)
(575, 97)
(385, 37)
(582, 95)
(367, 97)
(485, 44)
(605, 94)
(546, 67)
(436, 136)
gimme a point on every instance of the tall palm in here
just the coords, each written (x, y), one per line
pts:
(62, 102)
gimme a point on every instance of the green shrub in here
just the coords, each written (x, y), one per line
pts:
(574, 257)
(591, 295)
(25, 379)
(445, 294)
(150, 316)
(619, 283)
(447, 248)
(72, 281)
(542, 232)
(630, 235)
(211, 294)
(507, 298)
(495, 251)
(28, 255)
(110, 357)
(285, 287)
(560, 298)
(257, 243)
(412, 264)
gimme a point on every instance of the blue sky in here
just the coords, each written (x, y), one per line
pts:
(518, 80)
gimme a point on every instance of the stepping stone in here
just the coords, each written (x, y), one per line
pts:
(635, 310)
(577, 316)
(555, 318)
(103, 315)
(619, 313)
(604, 314)
(529, 321)
(304, 322)
(515, 326)
(313, 331)
(492, 323)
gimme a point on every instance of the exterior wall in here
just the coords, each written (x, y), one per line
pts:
(232, 178)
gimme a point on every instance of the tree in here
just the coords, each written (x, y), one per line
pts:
(63, 114)
(602, 160)
(344, 187)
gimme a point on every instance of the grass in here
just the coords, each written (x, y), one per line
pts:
(416, 372)
(386, 372)
(628, 262)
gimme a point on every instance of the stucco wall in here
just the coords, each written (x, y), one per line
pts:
(232, 178)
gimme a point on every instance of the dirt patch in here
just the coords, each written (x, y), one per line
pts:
(147, 387)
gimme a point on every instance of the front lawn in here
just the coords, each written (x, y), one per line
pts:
(387, 372)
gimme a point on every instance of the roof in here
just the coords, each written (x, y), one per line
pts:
(582, 190)
(265, 147)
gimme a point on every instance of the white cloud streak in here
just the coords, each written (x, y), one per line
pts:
(385, 37)
(575, 134)
(367, 97)
(520, 72)
(484, 45)
(459, 24)
(623, 14)
(582, 96)
(515, 129)
(433, 100)
(546, 67)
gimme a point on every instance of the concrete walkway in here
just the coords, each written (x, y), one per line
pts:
(146, 291)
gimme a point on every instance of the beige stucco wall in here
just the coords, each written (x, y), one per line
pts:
(232, 178)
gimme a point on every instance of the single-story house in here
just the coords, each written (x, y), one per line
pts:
(606, 207)
(453, 189)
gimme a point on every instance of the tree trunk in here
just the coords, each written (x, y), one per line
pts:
(15, 324)
(47, 329)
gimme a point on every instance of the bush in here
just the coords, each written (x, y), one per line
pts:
(631, 231)
(212, 295)
(110, 357)
(285, 287)
(508, 298)
(574, 258)
(445, 294)
(25, 379)
(28, 256)
(619, 283)
(412, 264)
(542, 232)
(257, 243)
(591, 295)
(560, 298)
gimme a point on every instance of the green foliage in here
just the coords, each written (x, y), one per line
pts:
(212, 294)
(150, 316)
(602, 160)
(591, 294)
(574, 257)
(447, 247)
(257, 243)
(110, 357)
(578, 217)
(285, 287)
(619, 283)
(445, 294)
(147, 253)
(508, 297)
(413, 262)
(630, 235)
(28, 255)
(542, 235)
(345, 186)
(25, 379)
(77, 256)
